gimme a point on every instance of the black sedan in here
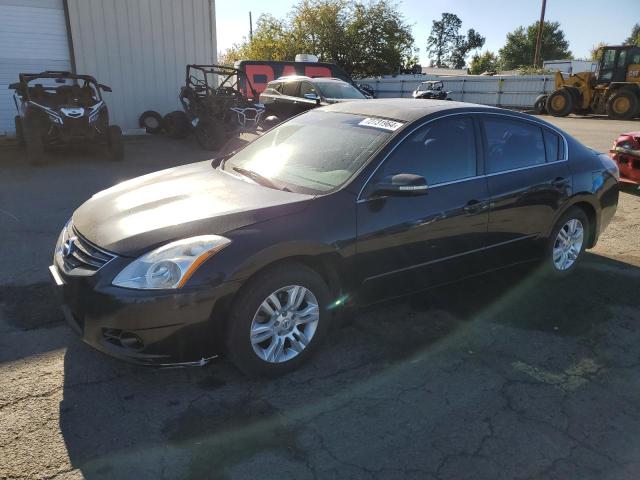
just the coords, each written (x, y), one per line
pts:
(289, 96)
(254, 254)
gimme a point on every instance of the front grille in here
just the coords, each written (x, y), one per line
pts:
(84, 255)
(76, 126)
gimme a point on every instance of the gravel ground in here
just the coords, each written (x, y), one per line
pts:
(506, 376)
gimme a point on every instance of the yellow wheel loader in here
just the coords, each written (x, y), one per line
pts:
(614, 88)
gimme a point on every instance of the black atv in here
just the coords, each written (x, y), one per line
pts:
(215, 112)
(61, 108)
(431, 90)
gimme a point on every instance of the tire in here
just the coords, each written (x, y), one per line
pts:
(560, 103)
(210, 134)
(176, 124)
(19, 131)
(32, 132)
(115, 144)
(151, 121)
(247, 312)
(552, 262)
(623, 105)
(539, 106)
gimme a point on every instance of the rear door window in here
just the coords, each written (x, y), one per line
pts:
(290, 88)
(512, 144)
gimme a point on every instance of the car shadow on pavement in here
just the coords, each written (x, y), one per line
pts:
(122, 421)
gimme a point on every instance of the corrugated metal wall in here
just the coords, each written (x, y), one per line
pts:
(33, 37)
(518, 91)
(140, 48)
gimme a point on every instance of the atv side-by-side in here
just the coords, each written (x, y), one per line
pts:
(214, 106)
(61, 108)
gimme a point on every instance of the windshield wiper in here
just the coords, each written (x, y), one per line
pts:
(256, 177)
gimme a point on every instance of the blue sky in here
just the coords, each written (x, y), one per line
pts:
(585, 22)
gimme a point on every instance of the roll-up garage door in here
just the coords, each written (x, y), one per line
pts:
(33, 38)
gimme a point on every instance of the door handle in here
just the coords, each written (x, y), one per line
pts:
(560, 182)
(474, 206)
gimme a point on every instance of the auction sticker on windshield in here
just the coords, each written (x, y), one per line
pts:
(381, 123)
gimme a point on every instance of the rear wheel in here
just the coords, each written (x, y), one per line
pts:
(32, 133)
(176, 124)
(567, 243)
(623, 105)
(19, 130)
(560, 103)
(278, 320)
(115, 143)
(210, 134)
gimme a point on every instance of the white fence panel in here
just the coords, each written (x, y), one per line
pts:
(501, 91)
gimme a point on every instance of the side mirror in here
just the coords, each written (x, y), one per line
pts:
(312, 96)
(105, 88)
(401, 184)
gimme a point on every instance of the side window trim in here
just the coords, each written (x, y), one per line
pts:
(478, 116)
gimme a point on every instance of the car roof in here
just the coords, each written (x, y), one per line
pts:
(404, 109)
(290, 78)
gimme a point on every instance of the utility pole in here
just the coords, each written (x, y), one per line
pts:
(536, 58)
(250, 27)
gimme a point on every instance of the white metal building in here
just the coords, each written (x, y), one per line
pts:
(137, 47)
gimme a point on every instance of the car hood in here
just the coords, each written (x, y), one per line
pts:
(139, 214)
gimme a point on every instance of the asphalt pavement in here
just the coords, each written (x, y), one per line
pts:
(510, 375)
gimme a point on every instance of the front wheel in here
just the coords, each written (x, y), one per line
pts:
(115, 143)
(32, 132)
(19, 131)
(567, 242)
(210, 134)
(278, 320)
(560, 103)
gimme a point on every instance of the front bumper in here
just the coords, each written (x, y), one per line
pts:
(162, 328)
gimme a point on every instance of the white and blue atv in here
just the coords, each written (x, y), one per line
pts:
(61, 108)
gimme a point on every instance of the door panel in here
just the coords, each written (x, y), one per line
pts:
(525, 200)
(406, 243)
(409, 243)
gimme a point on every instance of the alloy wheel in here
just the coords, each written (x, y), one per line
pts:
(568, 244)
(284, 324)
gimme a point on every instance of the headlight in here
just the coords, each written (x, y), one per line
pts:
(171, 265)
(62, 238)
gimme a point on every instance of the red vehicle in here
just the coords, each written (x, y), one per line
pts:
(261, 72)
(626, 153)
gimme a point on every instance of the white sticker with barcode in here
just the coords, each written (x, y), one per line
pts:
(381, 123)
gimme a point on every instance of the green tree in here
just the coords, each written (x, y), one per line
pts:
(443, 38)
(463, 46)
(447, 46)
(484, 62)
(520, 47)
(595, 52)
(363, 38)
(634, 38)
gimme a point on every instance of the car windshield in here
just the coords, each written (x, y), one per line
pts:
(313, 153)
(339, 90)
